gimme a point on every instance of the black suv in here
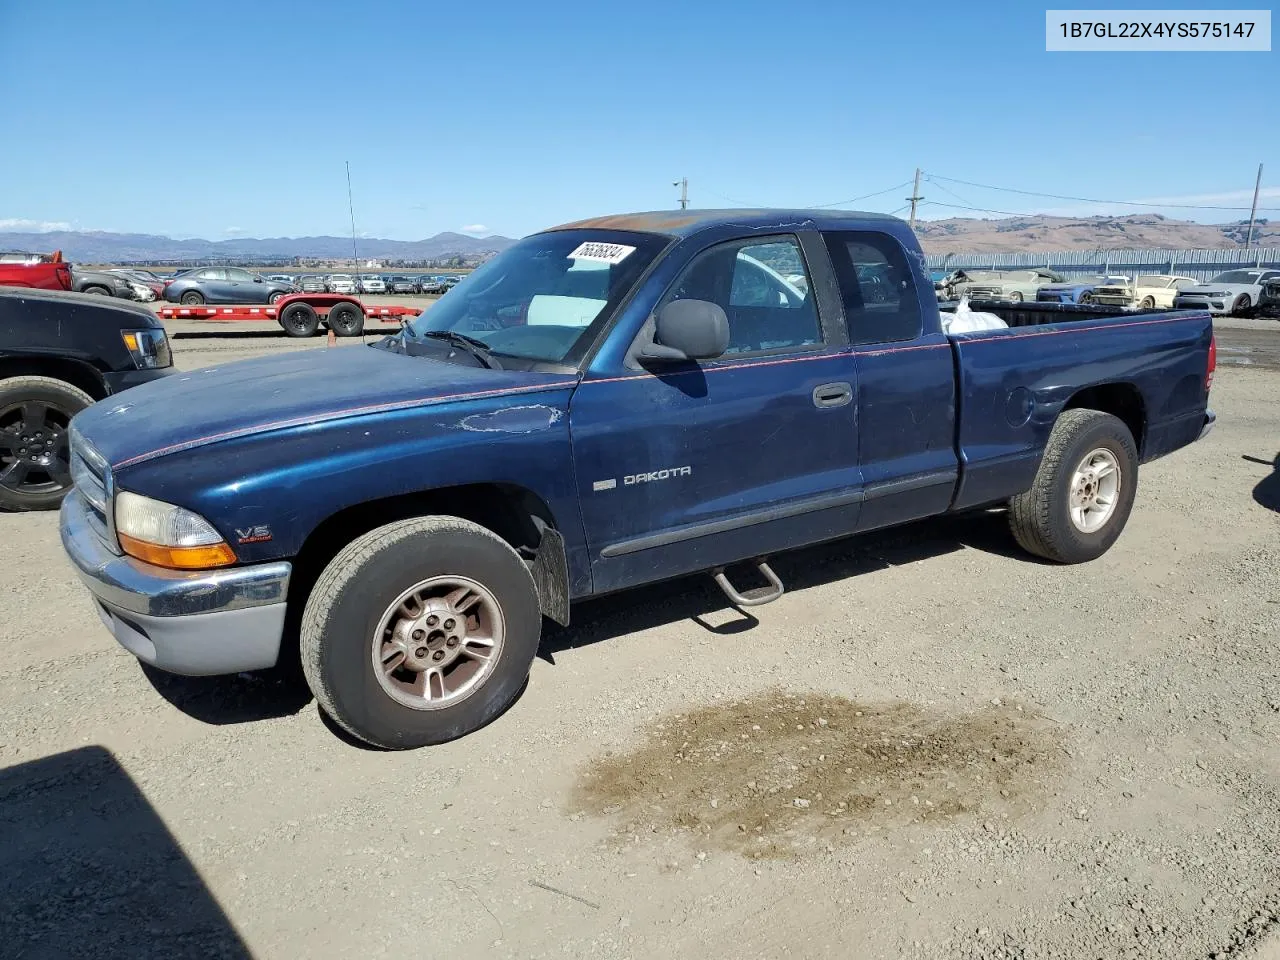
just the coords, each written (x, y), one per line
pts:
(60, 352)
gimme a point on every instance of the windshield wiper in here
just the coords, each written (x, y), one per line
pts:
(477, 348)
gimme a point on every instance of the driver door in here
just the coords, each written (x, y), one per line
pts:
(683, 467)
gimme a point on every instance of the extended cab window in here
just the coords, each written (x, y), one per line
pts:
(762, 286)
(876, 286)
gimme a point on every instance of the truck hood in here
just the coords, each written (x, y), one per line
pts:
(271, 393)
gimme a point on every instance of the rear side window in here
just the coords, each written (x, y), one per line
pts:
(876, 286)
(211, 275)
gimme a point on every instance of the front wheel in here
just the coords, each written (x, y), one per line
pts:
(420, 631)
(1148, 303)
(1242, 304)
(35, 454)
(1083, 492)
(1016, 297)
(1086, 298)
(276, 297)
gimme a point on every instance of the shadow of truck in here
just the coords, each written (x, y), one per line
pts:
(88, 869)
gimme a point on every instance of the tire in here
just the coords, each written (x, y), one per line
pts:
(1243, 303)
(346, 320)
(1016, 297)
(192, 298)
(276, 297)
(1041, 518)
(359, 593)
(41, 485)
(1086, 298)
(97, 291)
(1147, 303)
(299, 320)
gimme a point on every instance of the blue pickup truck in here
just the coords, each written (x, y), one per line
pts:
(607, 403)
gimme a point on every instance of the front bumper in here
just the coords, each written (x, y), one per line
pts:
(191, 622)
(1217, 307)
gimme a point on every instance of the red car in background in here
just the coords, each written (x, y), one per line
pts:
(45, 271)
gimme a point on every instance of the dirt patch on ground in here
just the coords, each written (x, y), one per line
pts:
(778, 774)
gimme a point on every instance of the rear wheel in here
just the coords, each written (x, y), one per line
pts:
(35, 456)
(192, 298)
(420, 632)
(346, 320)
(1083, 492)
(97, 291)
(299, 320)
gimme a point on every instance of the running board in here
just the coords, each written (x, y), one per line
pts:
(754, 597)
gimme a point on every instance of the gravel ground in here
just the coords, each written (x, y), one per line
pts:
(1093, 753)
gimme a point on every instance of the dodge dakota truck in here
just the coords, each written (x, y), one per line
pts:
(608, 403)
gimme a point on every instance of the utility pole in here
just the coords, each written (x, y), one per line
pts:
(1257, 184)
(351, 207)
(683, 184)
(915, 198)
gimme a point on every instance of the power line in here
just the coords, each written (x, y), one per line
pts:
(1057, 196)
(865, 196)
(959, 206)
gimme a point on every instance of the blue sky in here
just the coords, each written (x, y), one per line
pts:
(235, 118)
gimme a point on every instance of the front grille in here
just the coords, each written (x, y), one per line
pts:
(91, 475)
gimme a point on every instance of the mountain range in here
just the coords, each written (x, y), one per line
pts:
(1042, 233)
(100, 247)
(1006, 234)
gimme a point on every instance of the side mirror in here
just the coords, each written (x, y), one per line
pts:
(688, 330)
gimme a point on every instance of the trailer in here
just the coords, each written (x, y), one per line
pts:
(301, 314)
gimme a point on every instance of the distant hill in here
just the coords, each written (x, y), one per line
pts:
(1139, 230)
(98, 247)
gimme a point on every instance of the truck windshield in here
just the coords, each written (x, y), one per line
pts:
(545, 298)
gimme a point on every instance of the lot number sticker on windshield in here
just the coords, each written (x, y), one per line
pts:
(602, 252)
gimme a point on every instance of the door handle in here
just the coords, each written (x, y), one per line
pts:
(832, 395)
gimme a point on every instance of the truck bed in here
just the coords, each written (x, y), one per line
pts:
(1034, 314)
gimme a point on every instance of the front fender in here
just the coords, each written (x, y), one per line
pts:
(291, 480)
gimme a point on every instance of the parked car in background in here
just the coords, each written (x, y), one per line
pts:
(452, 280)
(341, 283)
(1076, 291)
(957, 283)
(59, 353)
(1268, 304)
(41, 271)
(370, 284)
(1235, 291)
(432, 285)
(225, 285)
(282, 277)
(1014, 285)
(403, 285)
(103, 283)
(312, 283)
(1157, 291)
(152, 284)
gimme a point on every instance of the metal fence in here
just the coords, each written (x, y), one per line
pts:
(1202, 264)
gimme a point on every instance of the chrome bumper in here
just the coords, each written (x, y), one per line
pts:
(1210, 418)
(193, 622)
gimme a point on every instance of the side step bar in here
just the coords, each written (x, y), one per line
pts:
(754, 597)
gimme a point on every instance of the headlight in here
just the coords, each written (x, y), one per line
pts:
(168, 536)
(148, 347)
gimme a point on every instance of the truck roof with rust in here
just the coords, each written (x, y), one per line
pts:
(683, 223)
